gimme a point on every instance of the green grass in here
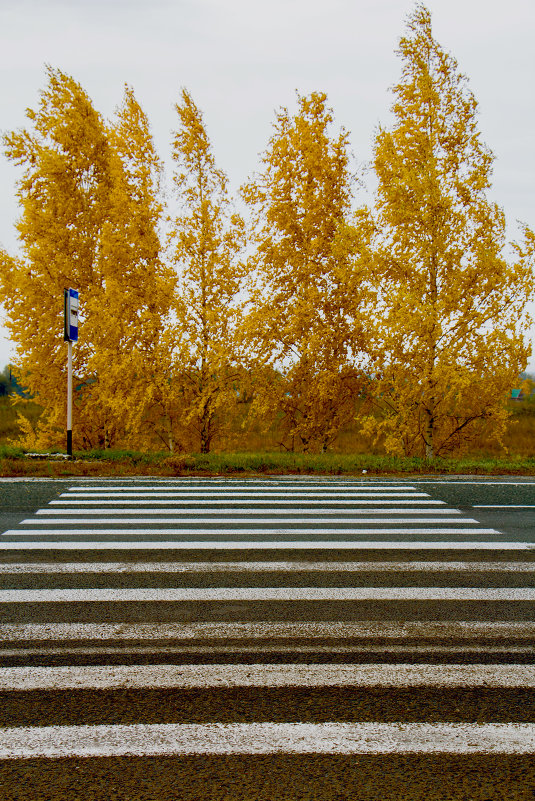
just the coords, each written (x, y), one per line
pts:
(11, 452)
(125, 463)
(121, 455)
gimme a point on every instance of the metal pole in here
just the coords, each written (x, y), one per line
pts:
(69, 398)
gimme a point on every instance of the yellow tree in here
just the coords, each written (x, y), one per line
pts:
(90, 217)
(451, 304)
(206, 239)
(311, 290)
(63, 196)
(130, 361)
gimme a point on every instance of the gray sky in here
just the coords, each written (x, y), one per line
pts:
(242, 59)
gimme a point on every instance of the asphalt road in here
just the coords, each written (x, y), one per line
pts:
(507, 503)
(285, 638)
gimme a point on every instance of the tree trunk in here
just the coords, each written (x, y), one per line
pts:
(205, 442)
(170, 440)
(428, 437)
(206, 431)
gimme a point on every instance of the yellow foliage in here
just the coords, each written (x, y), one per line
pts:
(28, 436)
(129, 359)
(417, 307)
(450, 314)
(310, 280)
(207, 237)
(63, 199)
(89, 221)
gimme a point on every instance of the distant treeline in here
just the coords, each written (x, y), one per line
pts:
(9, 384)
(290, 299)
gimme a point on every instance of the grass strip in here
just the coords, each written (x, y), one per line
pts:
(13, 462)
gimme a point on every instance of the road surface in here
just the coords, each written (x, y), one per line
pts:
(277, 638)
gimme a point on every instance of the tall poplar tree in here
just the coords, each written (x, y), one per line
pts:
(451, 316)
(130, 363)
(63, 197)
(90, 218)
(207, 238)
(310, 288)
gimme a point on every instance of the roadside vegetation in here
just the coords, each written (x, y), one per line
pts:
(129, 463)
(351, 454)
(299, 324)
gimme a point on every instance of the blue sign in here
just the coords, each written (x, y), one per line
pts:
(70, 333)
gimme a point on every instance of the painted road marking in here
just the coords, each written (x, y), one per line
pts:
(263, 594)
(194, 503)
(458, 630)
(244, 520)
(215, 532)
(266, 738)
(253, 513)
(309, 492)
(108, 677)
(262, 567)
(268, 545)
(270, 492)
(260, 487)
(407, 650)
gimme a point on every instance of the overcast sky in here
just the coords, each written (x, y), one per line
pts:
(242, 59)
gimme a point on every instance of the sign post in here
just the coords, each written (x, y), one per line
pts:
(70, 335)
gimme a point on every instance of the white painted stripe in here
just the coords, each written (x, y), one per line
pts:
(333, 629)
(260, 487)
(503, 506)
(229, 532)
(274, 490)
(35, 568)
(268, 545)
(108, 677)
(266, 594)
(215, 496)
(254, 514)
(194, 503)
(377, 650)
(266, 738)
(244, 520)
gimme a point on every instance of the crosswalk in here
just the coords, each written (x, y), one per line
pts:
(289, 616)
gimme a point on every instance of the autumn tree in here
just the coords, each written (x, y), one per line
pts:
(90, 216)
(130, 361)
(451, 313)
(63, 197)
(310, 290)
(206, 239)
